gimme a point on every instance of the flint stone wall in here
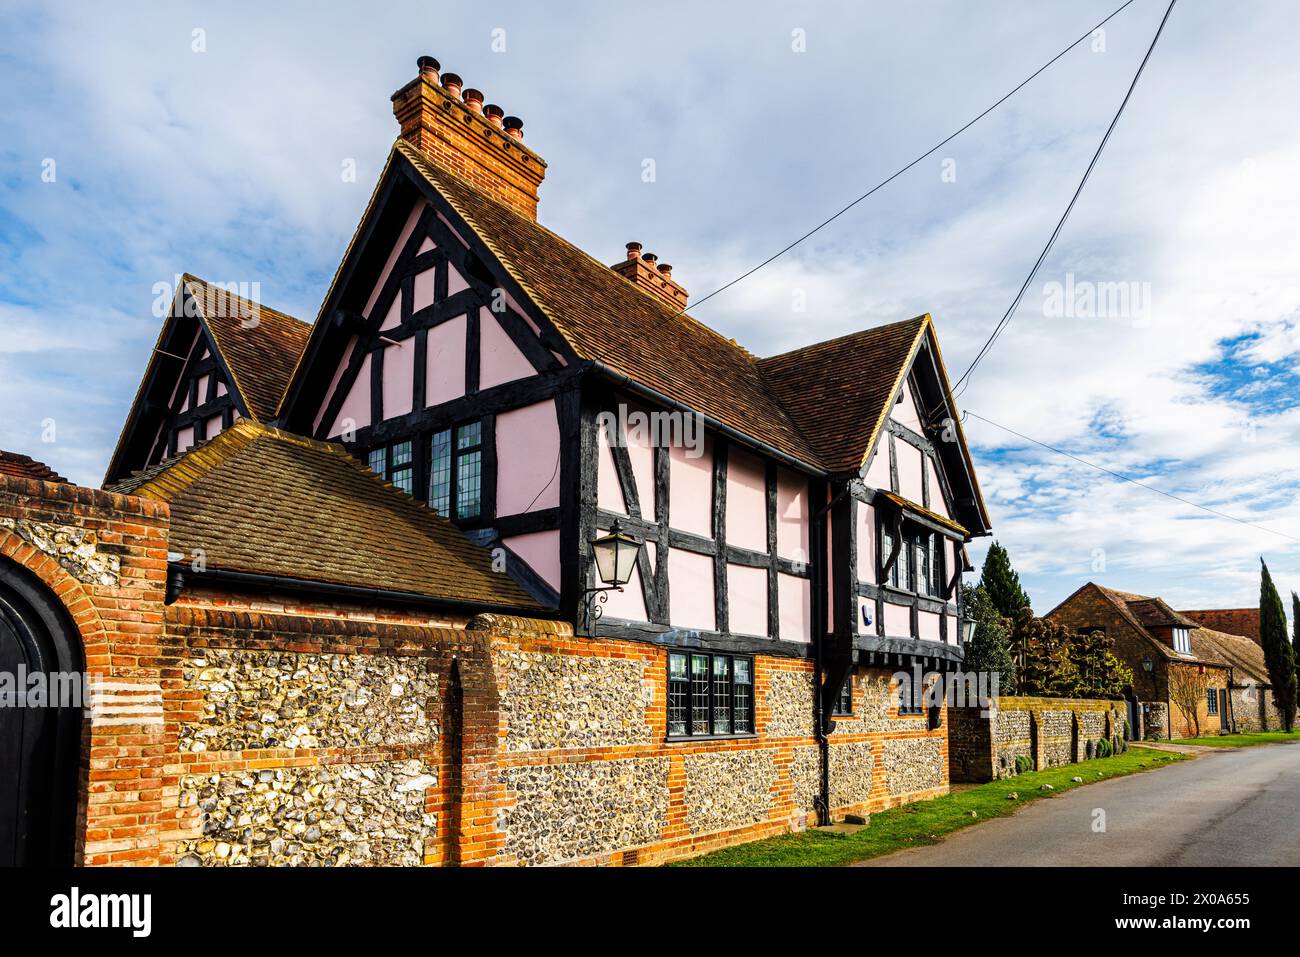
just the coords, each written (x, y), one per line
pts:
(913, 764)
(372, 814)
(1055, 738)
(1157, 719)
(790, 704)
(271, 699)
(563, 812)
(572, 701)
(728, 789)
(78, 550)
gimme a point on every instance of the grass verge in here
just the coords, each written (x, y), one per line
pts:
(1240, 740)
(926, 822)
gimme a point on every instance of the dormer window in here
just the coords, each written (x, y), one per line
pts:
(1183, 641)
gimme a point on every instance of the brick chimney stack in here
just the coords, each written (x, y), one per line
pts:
(651, 276)
(478, 143)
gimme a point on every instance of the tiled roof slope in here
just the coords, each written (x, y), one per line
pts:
(1154, 613)
(269, 502)
(605, 318)
(1246, 657)
(17, 465)
(261, 355)
(839, 391)
(1233, 621)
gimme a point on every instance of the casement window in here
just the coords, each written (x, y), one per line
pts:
(710, 695)
(1212, 700)
(1183, 641)
(920, 565)
(844, 700)
(396, 463)
(456, 471)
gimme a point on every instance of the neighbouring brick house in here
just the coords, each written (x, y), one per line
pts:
(1231, 621)
(1167, 649)
(339, 583)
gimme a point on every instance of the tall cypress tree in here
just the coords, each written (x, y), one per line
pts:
(1278, 654)
(1000, 581)
(1295, 631)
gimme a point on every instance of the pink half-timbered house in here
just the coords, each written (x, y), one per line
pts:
(806, 512)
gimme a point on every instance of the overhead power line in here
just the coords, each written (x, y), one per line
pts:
(960, 385)
(937, 146)
(1133, 481)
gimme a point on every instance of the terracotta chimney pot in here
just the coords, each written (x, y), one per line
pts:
(666, 270)
(634, 251)
(474, 100)
(452, 84)
(429, 67)
(494, 114)
(514, 127)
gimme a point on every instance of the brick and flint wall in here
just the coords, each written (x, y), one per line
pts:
(103, 557)
(1047, 732)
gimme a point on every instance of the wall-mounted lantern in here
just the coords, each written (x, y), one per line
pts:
(1147, 664)
(616, 553)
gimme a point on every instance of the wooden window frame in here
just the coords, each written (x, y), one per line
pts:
(738, 693)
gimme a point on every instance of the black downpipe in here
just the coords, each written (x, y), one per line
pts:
(821, 580)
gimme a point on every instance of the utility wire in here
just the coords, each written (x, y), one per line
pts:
(944, 142)
(1133, 481)
(958, 386)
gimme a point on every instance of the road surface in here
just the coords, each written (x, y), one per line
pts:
(1238, 807)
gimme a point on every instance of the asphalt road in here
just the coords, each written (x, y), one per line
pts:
(1237, 807)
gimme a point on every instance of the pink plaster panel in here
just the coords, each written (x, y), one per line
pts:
(184, 439)
(528, 449)
(393, 318)
(396, 251)
(937, 504)
(399, 378)
(356, 407)
(499, 358)
(690, 490)
(909, 471)
(866, 542)
(422, 290)
(898, 621)
(221, 388)
(455, 281)
(794, 601)
(905, 412)
(927, 625)
(792, 516)
(444, 369)
(641, 454)
(334, 383)
(878, 468)
(690, 589)
(427, 245)
(747, 600)
(541, 550)
(609, 494)
(203, 388)
(746, 501)
(629, 604)
(212, 427)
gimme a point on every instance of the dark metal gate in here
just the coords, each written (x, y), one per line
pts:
(39, 735)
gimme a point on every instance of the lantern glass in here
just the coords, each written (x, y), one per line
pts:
(615, 556)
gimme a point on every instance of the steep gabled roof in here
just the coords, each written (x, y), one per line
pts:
(1243, 654)
(264, 501)
(17, 465)
(1144, 612)
(603, 317)
(260, 345)
(840, 392)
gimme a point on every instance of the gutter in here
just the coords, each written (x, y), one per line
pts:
(646, 392)
(179, 573)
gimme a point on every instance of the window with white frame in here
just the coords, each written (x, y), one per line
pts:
(1183, 641)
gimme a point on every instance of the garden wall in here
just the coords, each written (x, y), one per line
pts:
(1028, 733)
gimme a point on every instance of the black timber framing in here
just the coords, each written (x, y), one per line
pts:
(837, 650)
(662, 467)
(721, 605)
(773, 567)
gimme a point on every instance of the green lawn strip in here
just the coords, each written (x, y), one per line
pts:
(1240, 740)
(926, 822)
